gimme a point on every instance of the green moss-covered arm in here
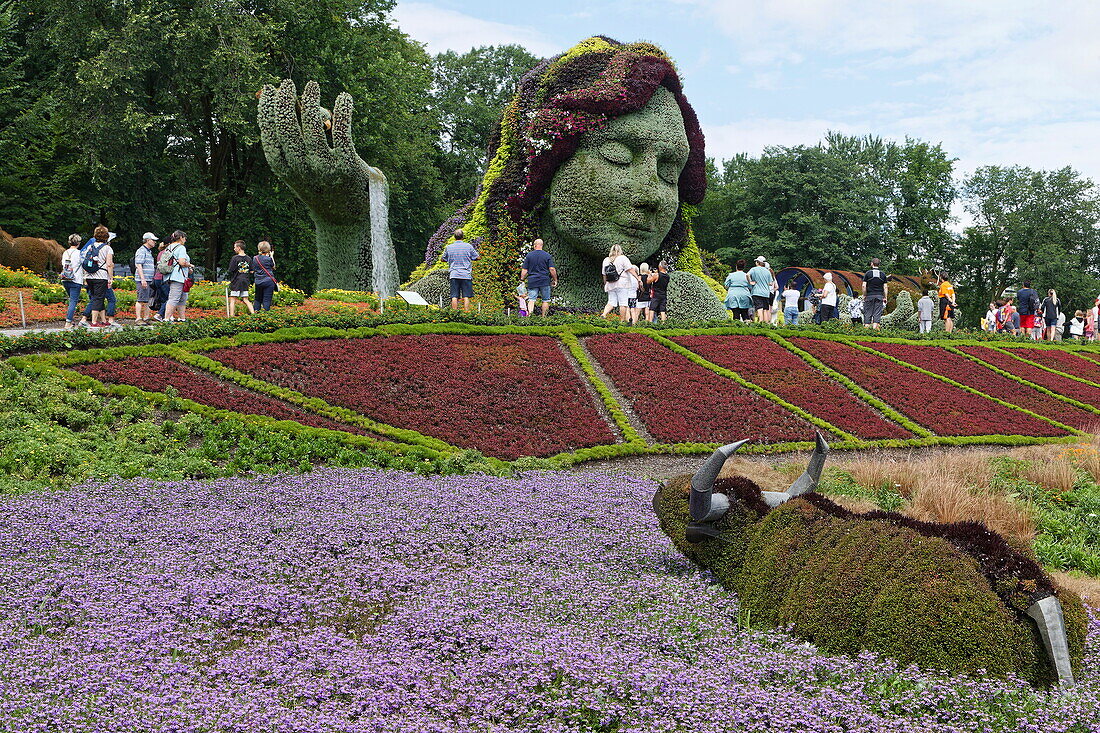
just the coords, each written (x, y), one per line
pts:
(329, 177)
(691, 299)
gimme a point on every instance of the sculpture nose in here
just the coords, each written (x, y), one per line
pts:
(645, 185)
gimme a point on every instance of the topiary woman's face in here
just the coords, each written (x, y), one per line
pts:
(621, 186)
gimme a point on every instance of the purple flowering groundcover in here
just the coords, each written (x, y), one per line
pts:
(363, 600)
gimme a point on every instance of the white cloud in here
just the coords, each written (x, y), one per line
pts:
(441, 30)
(996, 81)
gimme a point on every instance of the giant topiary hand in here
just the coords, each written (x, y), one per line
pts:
(330, 178)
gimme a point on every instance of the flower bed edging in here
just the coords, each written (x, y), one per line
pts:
(767, 394)
(854, 388)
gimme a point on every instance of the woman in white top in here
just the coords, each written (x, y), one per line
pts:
(622, 290)
(72, 277)
(828, 298)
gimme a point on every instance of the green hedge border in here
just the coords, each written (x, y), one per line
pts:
(408, 442)
(966, 388)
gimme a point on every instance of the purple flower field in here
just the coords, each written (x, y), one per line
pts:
(359, 600)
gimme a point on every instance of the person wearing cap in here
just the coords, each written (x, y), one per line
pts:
(762, 281)
(828, 298)
(144, 267)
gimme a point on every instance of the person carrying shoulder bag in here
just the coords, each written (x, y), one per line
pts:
(265, 276)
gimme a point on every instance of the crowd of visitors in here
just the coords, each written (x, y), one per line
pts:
(1026, 315)
(163, 276)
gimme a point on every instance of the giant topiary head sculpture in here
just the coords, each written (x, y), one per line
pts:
(598, 147)
(955, 597)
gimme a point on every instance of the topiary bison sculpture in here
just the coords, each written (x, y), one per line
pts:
(36, 255)
(954, 597)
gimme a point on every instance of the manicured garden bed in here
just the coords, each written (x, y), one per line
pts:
(507, 396)
(680, 401)
(953, 366)
(1064, 361)
(936, 405)
(155, 374)
(1087, 393)
(767, 364)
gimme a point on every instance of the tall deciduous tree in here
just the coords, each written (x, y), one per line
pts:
(469, 94)
(1043, 226)
(832, 205)
(145, 115)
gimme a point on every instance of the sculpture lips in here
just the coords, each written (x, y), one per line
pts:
(636, 230)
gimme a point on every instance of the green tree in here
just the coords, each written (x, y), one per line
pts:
(1043, 226)
(833, 205)
(143, 116)
(469, 94)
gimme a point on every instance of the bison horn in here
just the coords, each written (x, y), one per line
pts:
(808, 480)
(1047, 615)
(704, 504)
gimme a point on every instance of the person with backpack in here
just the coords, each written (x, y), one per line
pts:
(72, 277)
(658, 297)
(176, 268)
(620, 282)
(160, 285)
(240, 278)
(266, 286)
(98, 263)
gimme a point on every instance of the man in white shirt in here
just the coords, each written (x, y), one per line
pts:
(828, 298)
(790, 305)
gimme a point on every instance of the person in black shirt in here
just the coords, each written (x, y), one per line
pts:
(1027, 299)
(240, 278)
(875, 291)
(658, 302)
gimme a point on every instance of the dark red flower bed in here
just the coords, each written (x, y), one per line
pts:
(1063, 361)
(943, 409)
(1062, 385)
(764, 362)
(680, 401)
(943, 362)
(507, 396)
(155, 373)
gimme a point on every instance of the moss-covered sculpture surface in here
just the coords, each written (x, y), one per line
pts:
(948, 597)
(598, 147)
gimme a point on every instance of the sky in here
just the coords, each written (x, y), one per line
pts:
(996, 82)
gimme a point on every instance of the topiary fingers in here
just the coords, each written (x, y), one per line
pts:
(288, 129)
(343, 145)
(269, 138)
(318, 153)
